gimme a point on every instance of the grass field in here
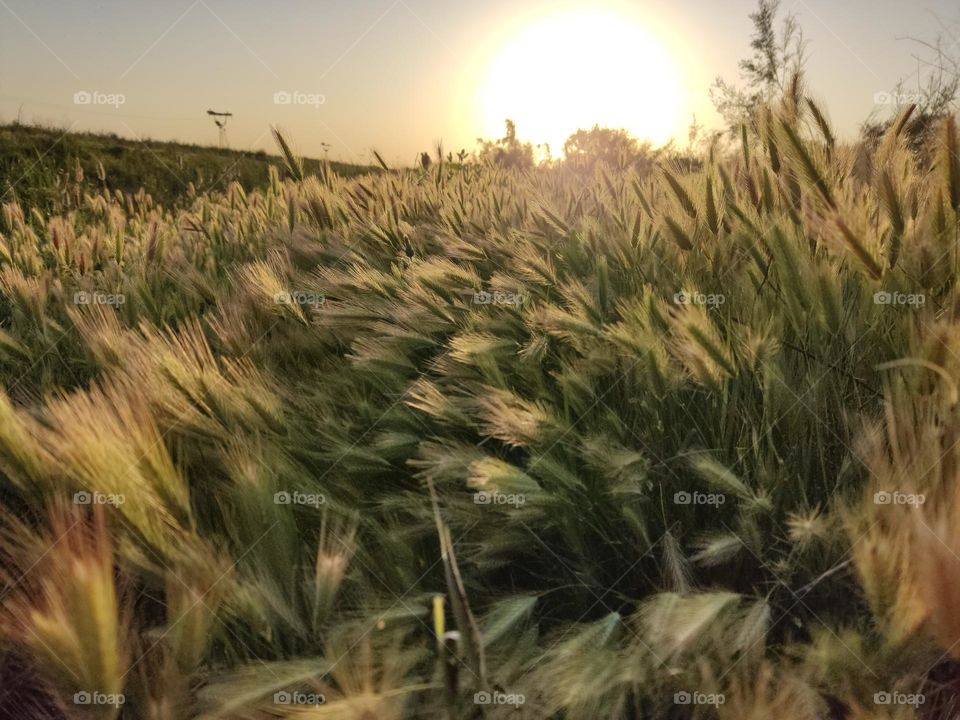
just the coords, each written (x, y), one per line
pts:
(473, 442)
(39, 164)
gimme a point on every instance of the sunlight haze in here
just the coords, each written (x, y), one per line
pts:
(400, 75)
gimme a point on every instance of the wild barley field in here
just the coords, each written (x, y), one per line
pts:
(39, 165)
(471, 442)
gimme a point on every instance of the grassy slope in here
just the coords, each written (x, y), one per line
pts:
(597, 414)
(33, 161)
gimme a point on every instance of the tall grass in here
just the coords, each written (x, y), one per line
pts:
(475, 442)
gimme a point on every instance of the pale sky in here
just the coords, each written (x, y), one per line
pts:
(399, 75)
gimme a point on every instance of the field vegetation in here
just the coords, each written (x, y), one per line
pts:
(483, 441)
(41, 165)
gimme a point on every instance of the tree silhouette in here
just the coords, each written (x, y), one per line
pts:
(610, 146)
(508, 150)
(765, 74)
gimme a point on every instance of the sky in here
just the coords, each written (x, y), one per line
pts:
(350, 76)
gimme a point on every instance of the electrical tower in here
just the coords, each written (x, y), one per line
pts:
(220, 118)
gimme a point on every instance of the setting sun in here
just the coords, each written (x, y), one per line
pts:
(579, 69)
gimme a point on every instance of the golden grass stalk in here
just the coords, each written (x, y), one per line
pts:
(66, 610)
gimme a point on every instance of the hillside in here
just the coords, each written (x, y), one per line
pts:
(502, 443)
(36, 161)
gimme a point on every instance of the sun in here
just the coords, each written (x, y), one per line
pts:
(580, 68)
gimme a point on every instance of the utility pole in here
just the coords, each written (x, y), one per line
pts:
(220, 118)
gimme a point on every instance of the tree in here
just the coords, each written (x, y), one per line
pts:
(508, 150)
(766, 73)
(940, 73)
(610, 146)
(933, 90)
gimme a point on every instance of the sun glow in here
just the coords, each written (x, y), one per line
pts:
(578, 69)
